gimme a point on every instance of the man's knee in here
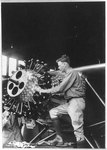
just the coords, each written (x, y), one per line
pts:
(53, 113)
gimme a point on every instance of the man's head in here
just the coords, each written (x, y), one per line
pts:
(63, 63)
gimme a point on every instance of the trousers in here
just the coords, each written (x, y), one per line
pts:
(75, 109)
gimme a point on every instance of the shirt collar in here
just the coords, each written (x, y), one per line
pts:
(69, 70)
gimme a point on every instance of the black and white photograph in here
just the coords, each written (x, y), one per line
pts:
(53, 74)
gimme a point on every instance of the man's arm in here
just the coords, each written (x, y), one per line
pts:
(63, 86)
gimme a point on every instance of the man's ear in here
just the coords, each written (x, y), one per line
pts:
(65, 63)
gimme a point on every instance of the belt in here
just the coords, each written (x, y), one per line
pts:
(70, 97)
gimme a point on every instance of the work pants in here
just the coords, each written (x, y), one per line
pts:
(74, 108)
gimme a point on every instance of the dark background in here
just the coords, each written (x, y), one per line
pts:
(45, 31)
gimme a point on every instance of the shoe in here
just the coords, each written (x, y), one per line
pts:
(80, 140)
(81, 143)
(57, 141)
(43, 143)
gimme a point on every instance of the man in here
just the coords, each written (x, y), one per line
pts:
(73, 86)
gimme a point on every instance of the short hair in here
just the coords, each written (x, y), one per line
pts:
(64, 58)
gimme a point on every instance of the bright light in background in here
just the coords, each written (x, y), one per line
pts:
(4, 65)
(20, 62)
(12, 65)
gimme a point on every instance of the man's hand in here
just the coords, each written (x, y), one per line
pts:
(37, 88)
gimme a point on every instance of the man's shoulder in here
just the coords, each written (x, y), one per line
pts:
(74, 72)
(71, 70)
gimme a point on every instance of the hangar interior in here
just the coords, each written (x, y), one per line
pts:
(34, 35)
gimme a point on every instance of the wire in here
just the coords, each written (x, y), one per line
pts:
(94, 91)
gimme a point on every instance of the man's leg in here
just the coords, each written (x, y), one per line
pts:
(54, 113)
(75, 111)
(56, 124)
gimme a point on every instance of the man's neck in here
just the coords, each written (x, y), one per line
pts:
(67, 69)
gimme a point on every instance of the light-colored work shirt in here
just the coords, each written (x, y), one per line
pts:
(73, 85)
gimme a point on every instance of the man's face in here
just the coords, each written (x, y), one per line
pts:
(61, 66)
